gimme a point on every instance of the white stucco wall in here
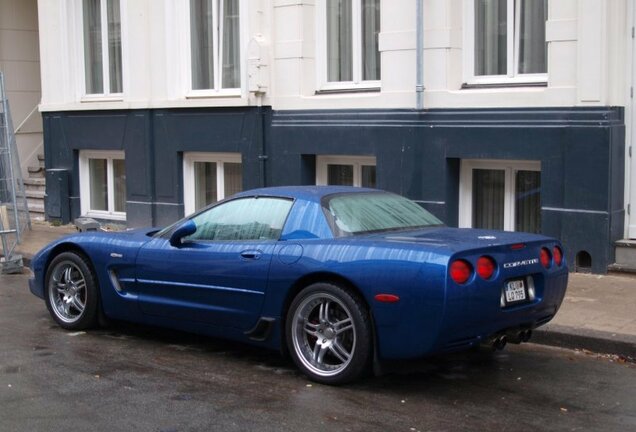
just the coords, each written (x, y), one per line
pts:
(586, 66)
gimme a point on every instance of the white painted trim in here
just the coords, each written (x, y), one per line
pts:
(569, 210)
(80, 53)
(84, 175)
(466, 187)
(512, 50)
(189, 158)
(322, 82)
(186, 50)
(323, 162)
(630, 130)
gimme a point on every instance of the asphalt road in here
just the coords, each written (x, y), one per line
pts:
(132, 378)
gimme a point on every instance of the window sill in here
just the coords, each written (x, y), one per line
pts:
(466, 86)
(105, 215)
(348, 90)
(102, 98)
(205, 94)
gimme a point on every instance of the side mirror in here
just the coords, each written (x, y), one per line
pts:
(185, 229)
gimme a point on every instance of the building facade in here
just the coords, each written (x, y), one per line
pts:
(20, 64)
(506, 114)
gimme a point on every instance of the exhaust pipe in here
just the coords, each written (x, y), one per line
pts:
(518, 336)
(496, 342)
(500, 342)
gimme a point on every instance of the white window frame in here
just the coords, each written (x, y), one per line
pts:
(466, 187)
(186, 47)
(106, 95)
(85, 191)
(512, 49)
(356, 40)
(322, 163)
(189, 158)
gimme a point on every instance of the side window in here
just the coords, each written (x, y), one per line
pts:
(259, 218)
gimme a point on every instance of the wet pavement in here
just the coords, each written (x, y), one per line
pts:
(129, 377)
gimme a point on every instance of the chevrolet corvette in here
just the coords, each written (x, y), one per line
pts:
(338, 277)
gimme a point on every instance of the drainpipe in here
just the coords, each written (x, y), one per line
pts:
(419, 55)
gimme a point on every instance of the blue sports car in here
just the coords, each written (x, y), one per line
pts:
(338, 277)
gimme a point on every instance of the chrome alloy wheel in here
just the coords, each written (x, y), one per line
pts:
(324, 335)
(67, 291)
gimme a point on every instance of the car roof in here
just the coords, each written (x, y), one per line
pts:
(309, 193)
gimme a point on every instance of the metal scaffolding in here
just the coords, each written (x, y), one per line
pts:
(14, 210)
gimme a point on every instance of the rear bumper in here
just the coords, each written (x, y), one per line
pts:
(469, 319)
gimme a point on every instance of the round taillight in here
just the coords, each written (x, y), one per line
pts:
(545, 258)
(460, 271)
(485, 267)
(558, 255)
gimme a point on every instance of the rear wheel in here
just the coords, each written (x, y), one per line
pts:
(329, 334)
(71, 291)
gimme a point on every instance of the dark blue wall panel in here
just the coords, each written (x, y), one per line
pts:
(418, 154)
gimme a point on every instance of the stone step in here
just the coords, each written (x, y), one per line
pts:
(34, 184)
(625, 258)
(36, 209)
(36, 171)
(35, 194)
(41, 160)
(34, 202)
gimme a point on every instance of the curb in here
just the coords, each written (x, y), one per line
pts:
(591, 340)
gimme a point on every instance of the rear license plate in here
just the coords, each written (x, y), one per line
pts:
(515, 291)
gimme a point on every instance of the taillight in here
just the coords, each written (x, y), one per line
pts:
(460, 271)
(545, 258)
(485, 267)
(558, 255)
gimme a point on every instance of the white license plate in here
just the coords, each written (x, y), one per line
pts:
(515, 291)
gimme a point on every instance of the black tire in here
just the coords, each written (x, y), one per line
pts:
(328, 332)
(71, 291)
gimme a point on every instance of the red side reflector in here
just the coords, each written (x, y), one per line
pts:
(387, 298)
(517, 246)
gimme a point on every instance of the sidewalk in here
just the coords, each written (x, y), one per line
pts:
(598, 313)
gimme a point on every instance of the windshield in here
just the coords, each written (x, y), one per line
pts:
(359, 213)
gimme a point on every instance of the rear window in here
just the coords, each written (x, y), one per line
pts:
(361, 213)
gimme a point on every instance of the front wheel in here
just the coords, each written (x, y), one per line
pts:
(71, 292)
(329, 334)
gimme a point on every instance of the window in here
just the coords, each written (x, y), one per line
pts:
(351, 214)
(346, 171)
(103, 184)
(215, 45)
(243, 219)
(102, 47)
(349, 44)
(210, 177)
(505, 41)
(503, 195)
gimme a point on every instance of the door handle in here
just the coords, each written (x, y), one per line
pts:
(251, 254)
